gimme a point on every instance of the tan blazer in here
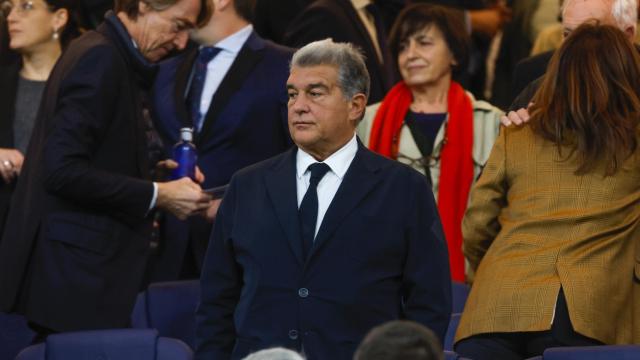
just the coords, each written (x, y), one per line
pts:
(533, 226)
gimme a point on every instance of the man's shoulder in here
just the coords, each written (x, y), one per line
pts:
(537, 63)
(277, 50)
(93, 44)
(263, 166)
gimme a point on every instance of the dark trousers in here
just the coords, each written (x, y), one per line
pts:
(522, 345)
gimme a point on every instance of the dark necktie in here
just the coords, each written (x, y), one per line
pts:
(205, 55)
(309, 207)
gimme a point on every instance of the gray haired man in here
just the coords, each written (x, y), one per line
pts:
(314, 247)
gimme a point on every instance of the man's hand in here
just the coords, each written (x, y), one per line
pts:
(517, 118)
(212, 210)
(164, 168)
(11, 161)
(182, 198)
(489, 21)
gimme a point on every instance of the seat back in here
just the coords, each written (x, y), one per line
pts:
(451, 331)
(168, 307)
(459, 293)
(123, 344)
(618, 352)
(14, 335)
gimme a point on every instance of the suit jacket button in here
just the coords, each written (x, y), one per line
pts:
(293, 334)
(303, 292)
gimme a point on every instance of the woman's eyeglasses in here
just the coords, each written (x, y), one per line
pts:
(22, 8)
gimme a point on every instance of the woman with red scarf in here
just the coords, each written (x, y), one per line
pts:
(428, 120)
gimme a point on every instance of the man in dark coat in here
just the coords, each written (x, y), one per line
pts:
(75, 246)
(314, 247)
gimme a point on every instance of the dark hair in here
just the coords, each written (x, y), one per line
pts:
(7, 56)
(399, 340)
(130, 7)
(450, 22)
(71, 29)
(245, 9)
(588, 100)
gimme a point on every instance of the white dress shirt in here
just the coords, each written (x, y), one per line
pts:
(338, 162)
(219, 66)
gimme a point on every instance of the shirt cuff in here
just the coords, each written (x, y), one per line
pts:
(154, 198)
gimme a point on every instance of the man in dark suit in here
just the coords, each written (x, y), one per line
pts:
(77, 237)
(574, 13)
(314, 247)
(240, 118)
(356, 21)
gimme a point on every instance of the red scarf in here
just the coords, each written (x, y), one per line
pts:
(456, 161)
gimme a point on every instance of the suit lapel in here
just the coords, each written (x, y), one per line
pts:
(281, 187)
(183, 75)
(360, 180)
(247, 58)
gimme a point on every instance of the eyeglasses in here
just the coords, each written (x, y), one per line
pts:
(23, 8)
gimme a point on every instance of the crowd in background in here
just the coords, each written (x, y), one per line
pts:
(536, 217)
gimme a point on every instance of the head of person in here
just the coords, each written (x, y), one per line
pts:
(430, 44)
(400, 340)
(40, 25)
(620, 13)
(274, 354)
(589, 103)
(227, 17)
(328, 89)
(159, 27)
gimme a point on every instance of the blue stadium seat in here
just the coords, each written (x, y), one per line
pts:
(618, 352)
(460, 292)
(122, 344)
(15, 335)
(168, 307)
(451, 331)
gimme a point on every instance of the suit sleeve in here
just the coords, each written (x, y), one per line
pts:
(220, 285)
(488, 196)
(84, 111)
(426, 279)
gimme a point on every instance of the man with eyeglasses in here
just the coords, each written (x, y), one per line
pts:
(74, 250)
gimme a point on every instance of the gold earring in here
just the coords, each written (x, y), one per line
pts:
(55, 34)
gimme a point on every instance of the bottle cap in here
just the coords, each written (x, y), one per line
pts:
(186, 134)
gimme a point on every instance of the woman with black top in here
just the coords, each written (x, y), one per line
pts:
(33, 35)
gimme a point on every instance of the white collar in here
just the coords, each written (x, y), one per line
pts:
(360, 4)
(234, 42)
(338, 162)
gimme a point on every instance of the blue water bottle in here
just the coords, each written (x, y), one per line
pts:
(184, 153)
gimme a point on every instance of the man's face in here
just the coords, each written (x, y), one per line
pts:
(164, 31)
(321, 120)
(577, 12)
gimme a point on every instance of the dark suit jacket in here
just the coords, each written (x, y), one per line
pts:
(339, 20)
(528, 70)
(8, 87)
(246, 123)
(272, 17)
(379, 255)
(75, 245)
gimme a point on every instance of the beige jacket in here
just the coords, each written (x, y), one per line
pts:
(486, 122)
(533, 226)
